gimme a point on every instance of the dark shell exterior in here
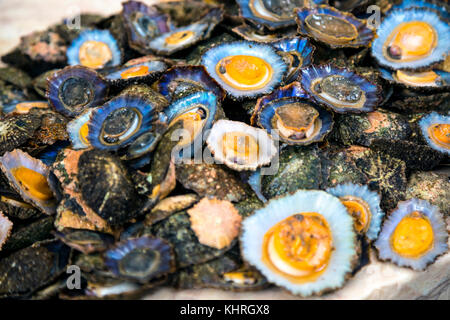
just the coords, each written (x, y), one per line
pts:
(40, 264)
(210, 180)
(188, 251)
(85, 241)
(12, 205)
(15, 130)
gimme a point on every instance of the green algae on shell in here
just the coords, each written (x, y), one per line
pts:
(299, 168)
(431, 186)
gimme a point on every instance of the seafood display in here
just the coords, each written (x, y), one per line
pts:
(236, 145)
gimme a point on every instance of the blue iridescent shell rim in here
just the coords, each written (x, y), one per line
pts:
(246, 12)
(74, 127)
(267, 112)
(298, 44)
(370, 197)
(383, 243)
(365, 34)
(98, 116)
(203, 98)
(197, 74)
(396, 17)
(442, 8)
(138, 41)
(73, 51)
(429, 120)
(166, 258)
(264, 51)
(293, 89)
(99, 85)
(372, 91)
(445, 76)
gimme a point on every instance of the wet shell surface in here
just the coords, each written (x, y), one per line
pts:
(278, 241)
(340, 89)
(435, 129)
(363, 205)
(332, 27)
(78, 130)
(28, 176)
(75, 89)
(94, 49)
(415, 38)
(429, 80)
(240, 146)
(413, 235)
(245, 69)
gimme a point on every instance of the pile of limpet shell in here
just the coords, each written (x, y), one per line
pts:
(235, 145)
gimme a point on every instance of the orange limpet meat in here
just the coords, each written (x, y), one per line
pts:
(417, 78)
(240, 145)
(413, 236)
(136, 71)
(299, 247)
(415, 39)
(440, 134)
(244, 72)
(94, 54)
(5, 229)
(216, 223)
(359, 210)
(25, 107)
(179, 37)
(33, 182)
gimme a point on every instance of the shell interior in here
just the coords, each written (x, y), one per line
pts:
(78, 130)
(435, 129)
(317, 263)
(94, 49)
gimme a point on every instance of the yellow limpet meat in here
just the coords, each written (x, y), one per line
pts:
(240, 146)
(417, 78)
(411, 41)
(15, 202)
(244, 72)
(193, 122)
(440, 134)
(240, 277)
(94, 54)
(413, 236)
(136, 71)
(25, 107)
(299, 247)
(359, 210)
(179, 37)
(33, 182)
(84, 132)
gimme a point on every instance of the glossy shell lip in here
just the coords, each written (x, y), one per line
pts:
(136, 39)
(267, 113)
(364, 33)
(155, 68)
(99, 88)
(388, 75)
(341, 224)
(396, 17)
(103, 36)
(263, 51)
(438, 225)
(250, 34)
(18, 158)
(196, 74)
(247, 13)
(266, 152)
(204, 99)
(146, 112)
(370, 197)
(165, 257)
(429, 120)
(74, 127)
(198, 30)
(372, 91)
(441, 7)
